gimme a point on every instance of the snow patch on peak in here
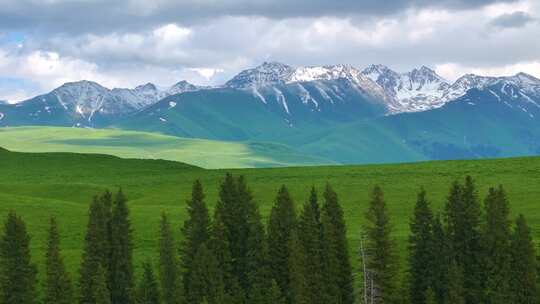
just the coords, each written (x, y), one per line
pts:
(417, 90)
(181, 87)
(266, 74)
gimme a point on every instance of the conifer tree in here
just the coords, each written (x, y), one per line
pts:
(122, 281)
(101, 293)
(310, 237)
(382, 262)
(57, 284)
(281, 225)
(298, 288)
(106, 200)
(207, 279)
(148, 290)
(421, 250)
(340, 277)
(220, 246)
(95, 253)
(169, 275)
(276, 297)
(496, 246)
(17, 273)
(259, 281)
(195, 232)
(441, 260)
(523, 275)
(243, 255)
(455, 291)
(430, 297)
(463, 219)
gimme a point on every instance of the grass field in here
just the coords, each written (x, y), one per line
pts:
(62, 184)
(209, 154)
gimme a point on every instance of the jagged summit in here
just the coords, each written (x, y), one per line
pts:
(417, 90)
(265, 74)
(181, 87)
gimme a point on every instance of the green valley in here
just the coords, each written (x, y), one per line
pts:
(199, 152)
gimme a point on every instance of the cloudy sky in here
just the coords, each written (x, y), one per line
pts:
(44, 43)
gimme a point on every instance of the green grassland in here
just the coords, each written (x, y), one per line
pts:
(209, 154)
(37, 185)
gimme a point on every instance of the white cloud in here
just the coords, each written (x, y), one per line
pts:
(452, 71)
(453, 41)
(207, 73)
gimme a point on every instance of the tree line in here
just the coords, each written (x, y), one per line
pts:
(469, 253)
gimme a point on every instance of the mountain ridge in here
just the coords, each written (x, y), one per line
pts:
(336, 112)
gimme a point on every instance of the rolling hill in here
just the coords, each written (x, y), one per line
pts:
(200, 152)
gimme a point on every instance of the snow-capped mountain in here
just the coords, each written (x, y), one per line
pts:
(87, 103)
(269, 73)
(268, 82)
(422, 89)
(181, 87)
(88, 97)
(414, 91)
(526, 83)
(335, 92)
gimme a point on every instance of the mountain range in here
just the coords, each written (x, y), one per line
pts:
(338, 112)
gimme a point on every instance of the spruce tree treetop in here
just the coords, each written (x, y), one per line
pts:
(421, 250)
(382, 261)
(121, 270)
(169, 273)
(148, 289)
(340, 278)
(281, 225)
(57, 284)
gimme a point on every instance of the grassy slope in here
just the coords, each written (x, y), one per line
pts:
(38, 185)
(203, 153)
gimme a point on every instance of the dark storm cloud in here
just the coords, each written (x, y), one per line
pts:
(82, 16)
(514, 20)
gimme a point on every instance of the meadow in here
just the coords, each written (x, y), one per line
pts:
(38, 185)
(210, 154)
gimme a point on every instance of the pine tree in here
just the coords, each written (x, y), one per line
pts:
(310, 236)
(243, 255)
(95, 252)
(298, 289)
(195, 232)
(382, 262)
(463, 219)
(17, 273)
(220, 246)
(148, 290)
(281, 225)
(340, 277)
(430, 296)
(523, 275)
(122, 281)
(57, 285)
(169, 275)
(456, 291)
(441, 260)
(496, 246)
(421, 250)
(101, 293)
(256, 265)
(207, 279)
(276, 297)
